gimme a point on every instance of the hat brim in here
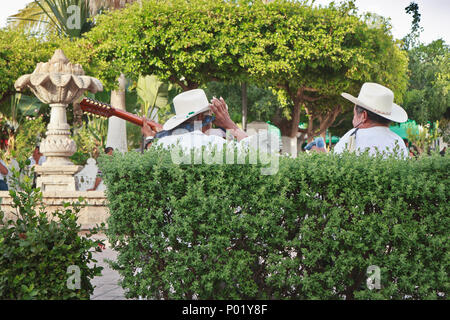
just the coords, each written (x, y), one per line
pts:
(179, 119)
(398, 114)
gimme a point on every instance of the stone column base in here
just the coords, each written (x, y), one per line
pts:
(57, 178)
(94, 213)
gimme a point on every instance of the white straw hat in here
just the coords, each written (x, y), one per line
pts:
(187, 104)
(380, 100)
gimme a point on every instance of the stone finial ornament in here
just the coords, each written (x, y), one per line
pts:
(58, 83)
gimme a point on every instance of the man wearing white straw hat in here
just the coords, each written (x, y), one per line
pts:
(191, 127)
(372, 114)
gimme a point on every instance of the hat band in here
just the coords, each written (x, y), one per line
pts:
(382, 112)
(376, 110)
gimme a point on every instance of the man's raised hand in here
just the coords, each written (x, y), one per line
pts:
(146, 129)
(223, 119)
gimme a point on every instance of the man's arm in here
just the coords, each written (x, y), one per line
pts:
(148, 133)
(3, 169)
(223, 119)
(96, 183)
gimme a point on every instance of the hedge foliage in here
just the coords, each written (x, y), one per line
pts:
(311, 231)
(39, 252)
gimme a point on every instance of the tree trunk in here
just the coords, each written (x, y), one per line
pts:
(295, 118)
(325, 121)
(289, 128)
(310, 130)
(244, 106)
(117, 131)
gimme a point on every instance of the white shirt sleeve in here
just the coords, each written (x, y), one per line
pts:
(190, 140)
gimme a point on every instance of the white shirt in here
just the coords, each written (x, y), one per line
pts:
(190, 140)
(41, 160)
(375, 138)
(197, 139)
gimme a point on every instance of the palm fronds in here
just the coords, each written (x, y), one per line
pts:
(32, 19)
(65, 17)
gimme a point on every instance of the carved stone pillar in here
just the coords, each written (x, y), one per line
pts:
(58, 83)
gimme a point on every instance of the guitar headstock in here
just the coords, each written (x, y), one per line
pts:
(96, 107)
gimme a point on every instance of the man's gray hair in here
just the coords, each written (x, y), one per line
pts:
(372, 116)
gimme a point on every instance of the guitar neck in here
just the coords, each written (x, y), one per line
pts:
(128, 116)
(105, 110)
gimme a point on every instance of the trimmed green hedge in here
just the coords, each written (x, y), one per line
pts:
(311, 231)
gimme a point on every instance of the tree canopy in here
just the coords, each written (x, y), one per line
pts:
(314, 54)
(185, 42)
(19, 54)
(309, 54)
(427, 98)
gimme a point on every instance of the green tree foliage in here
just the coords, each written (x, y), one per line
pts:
(23, 125)
(57, 16)
(262, 103)
(314, 54)
(28, 135)
(309, 231)
(19, 108)
(428, 98)
(152, 94)
(65, 19)
(309, 54)
(185, 42)
(412, 39)
(69, 18)
(90, 139)
(424, 138)
(62, 17)
(19, 54)
(32, 19)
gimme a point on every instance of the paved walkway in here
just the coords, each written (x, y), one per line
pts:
(106, 286)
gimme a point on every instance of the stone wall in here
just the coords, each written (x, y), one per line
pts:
(94, 213)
